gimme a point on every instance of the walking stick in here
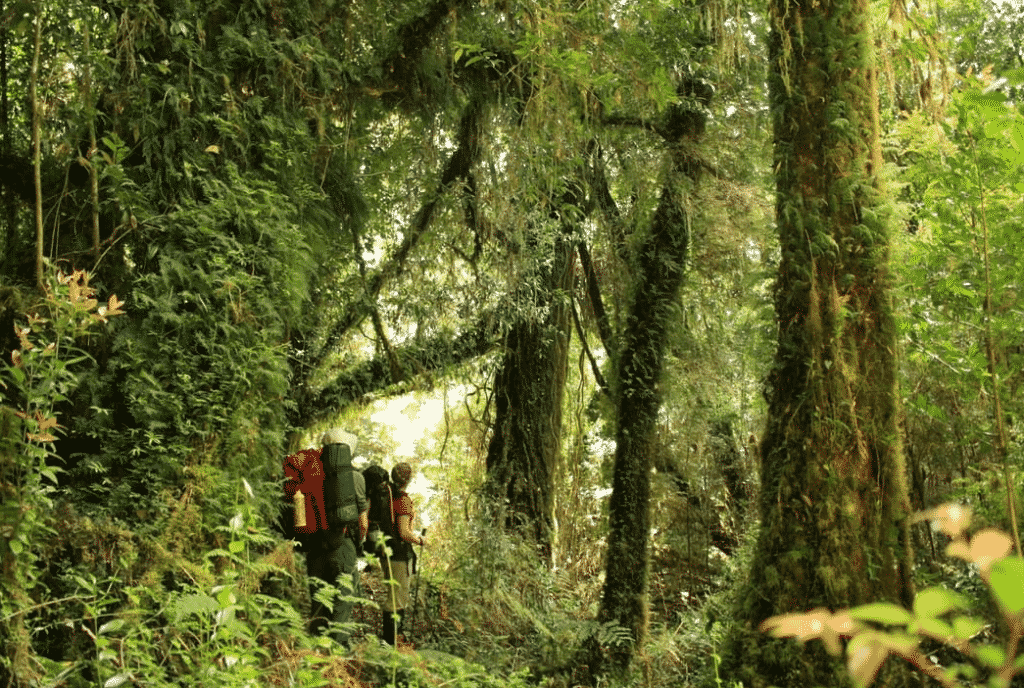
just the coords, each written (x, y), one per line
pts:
(416, 593)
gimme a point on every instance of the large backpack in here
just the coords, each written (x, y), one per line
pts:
(304, 472)
(340, 502)
(381, 516)
(325, 477)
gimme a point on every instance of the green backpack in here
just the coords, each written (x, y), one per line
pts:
(340, 503)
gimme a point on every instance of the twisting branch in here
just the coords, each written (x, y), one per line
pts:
(596, 369)
(371, 304)
(428, 357)
(458, 168)
(604, 328)
(602, 194)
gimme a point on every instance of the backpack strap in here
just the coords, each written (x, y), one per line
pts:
(391, 510)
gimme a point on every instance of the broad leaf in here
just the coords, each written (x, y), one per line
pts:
(883, 613)
(933, 602)
(992, 655)
(966, 627)
(1006, 578)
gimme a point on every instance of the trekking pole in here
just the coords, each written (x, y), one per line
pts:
(416, 594)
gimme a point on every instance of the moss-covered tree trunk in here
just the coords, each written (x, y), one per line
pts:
(528, 391)
(660, 269)
(834, 496)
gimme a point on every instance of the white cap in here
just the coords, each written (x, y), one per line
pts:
(339, 436)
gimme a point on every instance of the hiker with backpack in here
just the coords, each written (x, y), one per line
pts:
(400, 565)
(331, 515)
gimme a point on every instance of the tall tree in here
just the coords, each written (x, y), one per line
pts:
(660, 267)
(834, 496)
(530, 384)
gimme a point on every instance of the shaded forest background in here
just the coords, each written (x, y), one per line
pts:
(229, 225)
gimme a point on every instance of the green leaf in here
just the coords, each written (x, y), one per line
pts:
(16, 546)
(992, 655)
(966, 627)
(197, 604)
(993, 101)
(935, 628)
(883, 613)
(1006, 578)
(18, 374)
(236, 546)
(994, 129)
(933, 602)
(111, 626)
(226, 598)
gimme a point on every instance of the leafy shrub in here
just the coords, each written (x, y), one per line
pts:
(42, 373)
(939, 615)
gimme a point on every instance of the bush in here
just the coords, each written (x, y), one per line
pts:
(939, 615)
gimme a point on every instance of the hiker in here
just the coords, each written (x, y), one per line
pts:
(402, 554)
(333, 550)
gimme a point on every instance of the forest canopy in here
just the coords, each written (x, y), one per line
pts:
(710, 299)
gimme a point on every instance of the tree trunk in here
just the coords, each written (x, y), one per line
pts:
(660, 272)
(36, 135)
(834, 496)
(529, 386)
(10, 206)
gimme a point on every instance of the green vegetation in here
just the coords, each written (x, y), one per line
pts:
(690, 307)
(939, 616)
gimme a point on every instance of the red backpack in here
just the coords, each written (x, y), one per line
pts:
(304, 472)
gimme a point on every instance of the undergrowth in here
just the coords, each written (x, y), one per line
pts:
(198, 589)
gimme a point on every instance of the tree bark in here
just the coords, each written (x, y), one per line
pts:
(834, 497)
(36, 153)
(529, 387)
(660, 271)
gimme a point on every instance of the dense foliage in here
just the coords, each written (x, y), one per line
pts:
(227, 225)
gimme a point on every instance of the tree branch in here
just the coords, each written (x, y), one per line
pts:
(371, 304)
(604, 328)
(413, 39)
(636, 122)
(432, 356)
(598, 377)
(458, 167)
(598, 181)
